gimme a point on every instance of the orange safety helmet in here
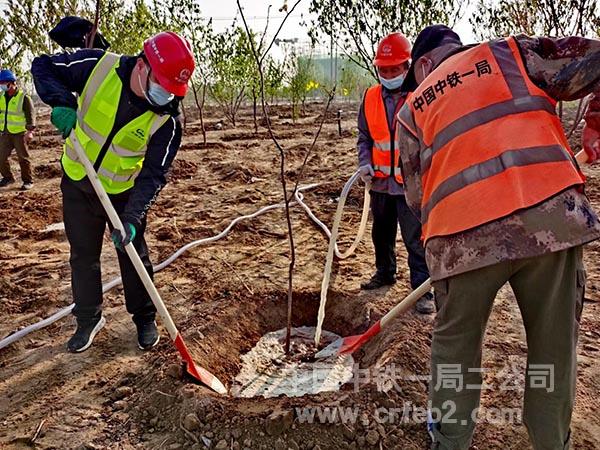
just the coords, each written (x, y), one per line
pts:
(171, 59)
(393, 50)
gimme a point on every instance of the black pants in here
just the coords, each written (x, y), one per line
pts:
(85, 224)
(389, 211)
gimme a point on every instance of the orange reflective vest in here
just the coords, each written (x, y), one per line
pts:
(385, 156)
(491, 141)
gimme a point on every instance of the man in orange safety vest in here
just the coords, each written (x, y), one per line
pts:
(378, 165)
(488, 170)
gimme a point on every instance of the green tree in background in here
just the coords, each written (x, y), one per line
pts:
(300, 77)
(357, 26)
(24, 30)
(494, 18)
(127, 27)
(353, 81)
(274, 77)
(232, 67)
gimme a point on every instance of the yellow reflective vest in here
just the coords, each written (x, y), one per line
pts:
(12, 115)
(96, 112)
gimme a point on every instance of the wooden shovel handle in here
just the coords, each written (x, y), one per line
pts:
(581, 157)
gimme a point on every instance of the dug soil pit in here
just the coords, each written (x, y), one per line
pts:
(272, 398)
(268, 371)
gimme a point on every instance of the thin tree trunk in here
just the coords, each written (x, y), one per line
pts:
(184, 112)
(254, 111)
(200, 107)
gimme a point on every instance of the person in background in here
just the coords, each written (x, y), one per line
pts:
(378, 165)
(17, 122)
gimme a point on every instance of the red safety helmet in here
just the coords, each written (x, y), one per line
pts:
(171, 59)
(393, 50)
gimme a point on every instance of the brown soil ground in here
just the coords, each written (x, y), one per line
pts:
(223, 297)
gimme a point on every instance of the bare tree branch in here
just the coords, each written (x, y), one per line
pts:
(92, 35)
(200, 105)
(278, 29)
(330, 97)
(259, 61)
(264, 34)
(287, 198)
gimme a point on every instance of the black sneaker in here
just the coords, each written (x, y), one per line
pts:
(6, 182)
(377, 281)
(425, 305)
(147, 334)
(26, 186)
(84, 335)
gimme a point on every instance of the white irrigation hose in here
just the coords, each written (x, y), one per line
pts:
(363, 220)
(117, 281)
(333, 246)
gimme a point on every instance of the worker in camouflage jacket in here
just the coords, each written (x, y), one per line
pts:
(488, 170)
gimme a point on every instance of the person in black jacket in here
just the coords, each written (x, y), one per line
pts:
(151, 86)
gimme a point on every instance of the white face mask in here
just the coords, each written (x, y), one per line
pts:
(3, 87)
(155, 94)
(392, 83)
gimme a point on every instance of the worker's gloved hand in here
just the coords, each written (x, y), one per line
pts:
(121, 241)
(366, 173)
(591, 143)
(64, 119)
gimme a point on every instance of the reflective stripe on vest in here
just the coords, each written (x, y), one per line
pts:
(13, 114)
(492, 141)
(380, 133)
(98, 105)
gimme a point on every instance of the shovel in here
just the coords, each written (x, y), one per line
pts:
(581, 157)
(196, 372)
(350, 344)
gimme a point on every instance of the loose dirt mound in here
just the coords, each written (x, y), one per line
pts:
(46, 171)
(182, 169)
(29, 213)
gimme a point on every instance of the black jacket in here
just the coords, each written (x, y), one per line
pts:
(58, 77)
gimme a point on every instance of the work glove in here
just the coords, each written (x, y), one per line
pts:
(591, 136)
(64, 119)
(366, 173)
(121, 241)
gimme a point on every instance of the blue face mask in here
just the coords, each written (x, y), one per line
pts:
(3, 87)
(156, 94)
(392, 83)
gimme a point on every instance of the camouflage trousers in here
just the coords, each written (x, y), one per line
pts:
(549, 290)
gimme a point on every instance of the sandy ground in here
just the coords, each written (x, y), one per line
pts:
(224, 297)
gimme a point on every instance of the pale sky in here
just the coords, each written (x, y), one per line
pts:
(224, 11)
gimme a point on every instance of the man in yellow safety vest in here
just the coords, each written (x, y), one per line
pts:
(126, 120)
(17, 122)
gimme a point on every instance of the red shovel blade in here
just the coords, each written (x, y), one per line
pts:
(350, 344)
(196, 372)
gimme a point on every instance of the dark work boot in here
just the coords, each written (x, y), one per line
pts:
(147, 334)
(84, 335)
(378, 281)
(425, 305)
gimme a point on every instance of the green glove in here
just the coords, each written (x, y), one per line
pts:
(121, 241)
(64, 119)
